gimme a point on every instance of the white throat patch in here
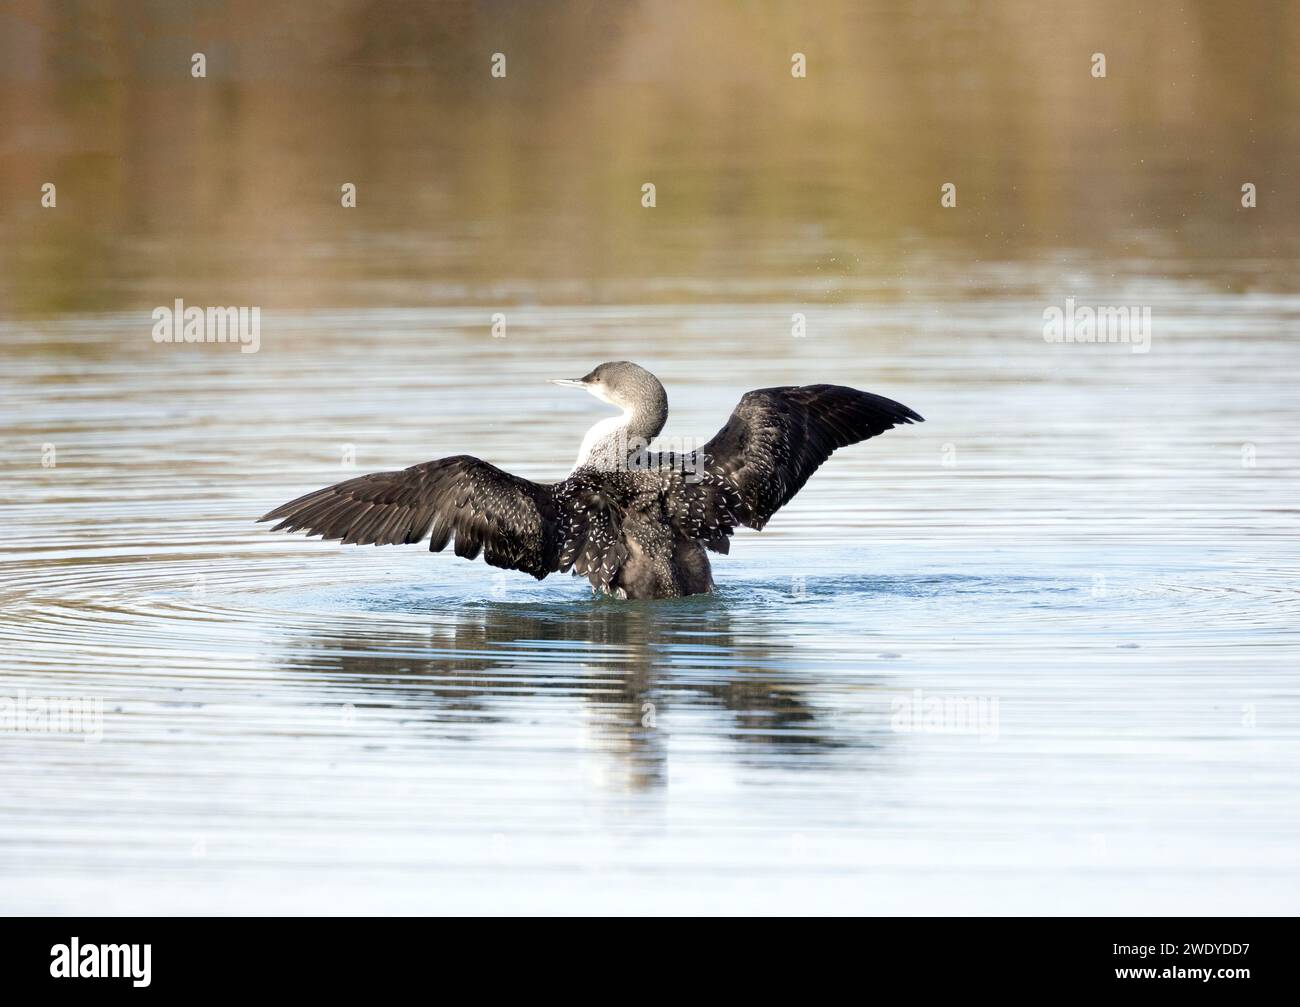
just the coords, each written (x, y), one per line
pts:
(598, 390)
(605, 443)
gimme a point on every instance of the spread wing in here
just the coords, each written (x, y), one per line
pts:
(509, 519)
(593, 505)
(775, 439)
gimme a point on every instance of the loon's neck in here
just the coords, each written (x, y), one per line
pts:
(610, 444)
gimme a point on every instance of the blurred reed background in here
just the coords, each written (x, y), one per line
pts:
(527, 189)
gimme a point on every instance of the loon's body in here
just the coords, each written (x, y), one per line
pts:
(636, 524)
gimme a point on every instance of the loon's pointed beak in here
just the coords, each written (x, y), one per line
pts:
(569, 382)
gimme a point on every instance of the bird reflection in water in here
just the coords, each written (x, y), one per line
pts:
(641, 673)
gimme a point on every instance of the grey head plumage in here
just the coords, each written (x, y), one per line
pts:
(630, 387)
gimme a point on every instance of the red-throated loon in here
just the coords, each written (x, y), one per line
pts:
(634, 523)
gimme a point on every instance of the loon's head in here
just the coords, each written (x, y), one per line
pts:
(620, 383)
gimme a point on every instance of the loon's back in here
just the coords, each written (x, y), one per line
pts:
(630, 532)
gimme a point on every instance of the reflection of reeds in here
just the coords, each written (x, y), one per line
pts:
(226, 189)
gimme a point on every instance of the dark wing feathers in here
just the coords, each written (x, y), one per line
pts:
(774, 441)
(778, 437)
(510, 520)
(593, 505)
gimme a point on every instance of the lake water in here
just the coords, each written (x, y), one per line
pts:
(1038, 654)
(1071, 547)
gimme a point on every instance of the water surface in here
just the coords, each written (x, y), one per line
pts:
(1076, 548)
